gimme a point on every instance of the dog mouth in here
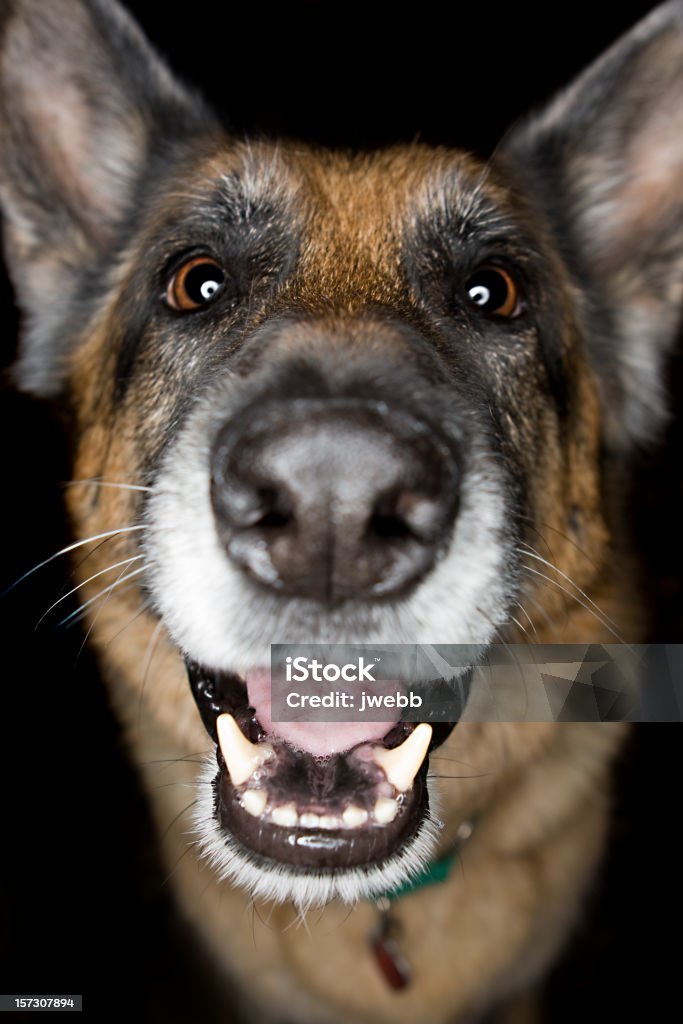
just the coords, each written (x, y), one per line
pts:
(311, 796)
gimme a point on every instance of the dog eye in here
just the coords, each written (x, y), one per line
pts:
(194, 284)
(493, 290)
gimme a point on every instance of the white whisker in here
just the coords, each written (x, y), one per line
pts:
(520, 627)
(148, 658)
(532, 553)
(110, 568)
(81, 612)
(72, 547)
(95, 617)
(528, 617)
(106, 590)
(106, 483)
(530, 599)
(591, 611)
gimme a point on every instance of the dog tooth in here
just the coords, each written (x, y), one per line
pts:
(241, 756)
(329, 821)
(354, 816)
(402, 764)
(285, 815)
(254, 801)
(385, 810)
(309, 820)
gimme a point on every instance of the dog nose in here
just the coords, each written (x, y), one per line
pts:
(332, 499)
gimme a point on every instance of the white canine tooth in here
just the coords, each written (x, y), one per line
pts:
(241, 756)
(285, 815)
(402, 764)
(329, 821)
(309, 820)
(385, 810)
(254, 801)
(354, 816)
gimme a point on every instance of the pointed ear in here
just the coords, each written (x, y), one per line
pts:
(605, 164)
(84, 105)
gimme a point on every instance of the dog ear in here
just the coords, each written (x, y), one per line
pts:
(84, 105)
(605, 163)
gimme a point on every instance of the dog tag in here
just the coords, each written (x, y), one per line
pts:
(384, 943)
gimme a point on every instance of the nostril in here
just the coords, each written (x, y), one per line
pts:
(247, 506)
(273, 520)
(405, 515)
(389, 526)
(422, 513)
(276, 512)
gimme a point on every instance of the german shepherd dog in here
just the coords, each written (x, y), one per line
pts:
(375, 398)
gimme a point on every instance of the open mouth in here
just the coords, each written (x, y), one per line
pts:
(312, 796)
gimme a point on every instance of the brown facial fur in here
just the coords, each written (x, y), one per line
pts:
(354, 212)
(347, 263)
(516, 775)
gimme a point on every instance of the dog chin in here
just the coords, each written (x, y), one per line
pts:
(307, 887)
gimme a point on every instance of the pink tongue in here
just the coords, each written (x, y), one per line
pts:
(319, 738)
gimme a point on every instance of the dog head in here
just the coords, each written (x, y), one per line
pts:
(321, 397)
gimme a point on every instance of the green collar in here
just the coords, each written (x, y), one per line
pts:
(436, 871)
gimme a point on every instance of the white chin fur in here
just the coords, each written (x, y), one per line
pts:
(282, 883)
(214, 614)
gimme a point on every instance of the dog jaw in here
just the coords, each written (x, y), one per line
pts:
(279, 883)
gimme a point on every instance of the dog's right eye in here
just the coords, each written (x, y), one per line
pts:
(194, 284)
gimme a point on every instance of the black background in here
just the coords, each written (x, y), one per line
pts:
(84, 904)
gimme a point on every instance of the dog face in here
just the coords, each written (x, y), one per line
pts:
(324, 397)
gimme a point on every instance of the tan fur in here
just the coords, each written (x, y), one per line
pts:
(540, 790)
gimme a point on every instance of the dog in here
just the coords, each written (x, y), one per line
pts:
(370, 398)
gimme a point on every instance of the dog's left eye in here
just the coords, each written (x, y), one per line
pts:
(195, 283)
(494, 291)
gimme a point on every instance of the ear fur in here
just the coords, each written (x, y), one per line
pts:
(84, 104)
(604, 164)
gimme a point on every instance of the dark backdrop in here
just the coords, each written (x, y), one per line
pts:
(84, 905)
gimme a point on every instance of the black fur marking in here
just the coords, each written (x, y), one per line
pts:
(255, 241)
(443, 247)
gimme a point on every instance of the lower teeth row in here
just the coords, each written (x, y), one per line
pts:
(254, 801)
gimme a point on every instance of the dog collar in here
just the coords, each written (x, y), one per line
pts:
(385, 938)
(436, 871)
